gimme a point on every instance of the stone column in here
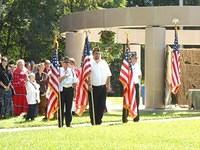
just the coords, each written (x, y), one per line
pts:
(74, 44)
(154, 67)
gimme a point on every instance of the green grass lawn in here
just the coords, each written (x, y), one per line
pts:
(18, 122)
(113, 116)
(144, 135)
(175, 135)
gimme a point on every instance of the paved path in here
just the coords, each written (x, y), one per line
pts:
(89, 125)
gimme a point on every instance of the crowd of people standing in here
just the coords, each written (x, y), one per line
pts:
(23, 87)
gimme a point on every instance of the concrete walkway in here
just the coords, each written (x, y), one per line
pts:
(89, 125)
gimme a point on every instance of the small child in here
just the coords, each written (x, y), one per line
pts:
(33, 96)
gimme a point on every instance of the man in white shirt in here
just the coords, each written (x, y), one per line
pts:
(68, 81)
(100, 83)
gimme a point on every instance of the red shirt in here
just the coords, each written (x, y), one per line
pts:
(19, 81)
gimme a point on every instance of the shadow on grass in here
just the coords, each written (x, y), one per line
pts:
(112, 117)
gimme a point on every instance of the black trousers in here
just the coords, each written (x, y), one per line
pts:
(125, 111)
(99, 98)
(66, 105)
(31, 111)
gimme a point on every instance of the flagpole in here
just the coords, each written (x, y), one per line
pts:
(92, 101)
(60, 123)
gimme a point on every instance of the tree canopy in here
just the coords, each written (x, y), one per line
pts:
(27, 27)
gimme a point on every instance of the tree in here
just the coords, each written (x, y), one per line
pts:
(80, 5)
(131, 3)
(112, 52)
(27, 27)
(112, 3)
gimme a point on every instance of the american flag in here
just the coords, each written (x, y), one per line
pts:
(53, 91)
(82, 89)
(126, 78)
(176, 82)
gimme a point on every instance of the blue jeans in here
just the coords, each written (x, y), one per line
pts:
(6, 102)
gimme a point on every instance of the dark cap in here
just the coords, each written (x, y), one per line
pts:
(65, 59)
(96, 49)
(133, 54)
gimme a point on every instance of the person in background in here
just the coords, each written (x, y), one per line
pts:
(47, 70)
(28, 67)
(11, 66)
(33, 96)
(34, 66)
(5, 90)
(68, 81)
(77, 73)
(47, 65)
(99, 84)
(20, 77)
(73, 65)
(41, 78)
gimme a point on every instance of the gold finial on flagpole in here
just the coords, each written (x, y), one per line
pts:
(55, 42)
(175, 21)
(87, 32)
(127, 41)
(126, 35)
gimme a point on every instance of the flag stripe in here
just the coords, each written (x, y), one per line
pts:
(82, 88)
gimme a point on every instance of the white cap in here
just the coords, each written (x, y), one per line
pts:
(31, 74)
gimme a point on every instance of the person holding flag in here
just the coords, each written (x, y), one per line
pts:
(95, 77)
(68, 81)
(129, 90)
(99, 84)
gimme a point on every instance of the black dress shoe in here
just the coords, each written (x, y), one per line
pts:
(125, 120)
(136, 120)
(44, 119)
(68, 124)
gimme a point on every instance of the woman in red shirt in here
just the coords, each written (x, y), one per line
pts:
(19, 88)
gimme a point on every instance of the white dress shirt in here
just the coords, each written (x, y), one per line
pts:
(99, 72)
(70, 79)
(136, 73)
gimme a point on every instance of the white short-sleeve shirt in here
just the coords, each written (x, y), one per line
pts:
(69, 80)
(136, 73)
(99, 72)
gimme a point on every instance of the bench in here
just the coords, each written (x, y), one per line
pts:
(194, 98)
